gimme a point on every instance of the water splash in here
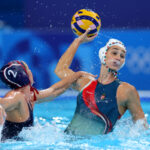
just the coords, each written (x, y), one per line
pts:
(48, 133)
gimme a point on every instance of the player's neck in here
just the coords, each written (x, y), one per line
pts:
(105, 76)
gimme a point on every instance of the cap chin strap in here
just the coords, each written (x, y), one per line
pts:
(32, 89)
(114, 72)
(35, 91)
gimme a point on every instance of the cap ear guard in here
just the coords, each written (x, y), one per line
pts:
(102, 54)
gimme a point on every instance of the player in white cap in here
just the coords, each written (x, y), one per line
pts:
(101, 102)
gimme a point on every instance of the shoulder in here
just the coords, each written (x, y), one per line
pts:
(82, 82)
(14, 94)
(126, 87)
(12, 100)
(126, 91)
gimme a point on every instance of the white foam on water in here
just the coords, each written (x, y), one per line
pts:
(49, 126)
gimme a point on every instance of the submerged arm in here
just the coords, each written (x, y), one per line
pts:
(134, 106)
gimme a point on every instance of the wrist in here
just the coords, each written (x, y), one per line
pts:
(78, 41)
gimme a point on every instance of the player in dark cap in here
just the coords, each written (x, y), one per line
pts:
(19, 102)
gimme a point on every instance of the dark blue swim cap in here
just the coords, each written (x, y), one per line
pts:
(14, 75)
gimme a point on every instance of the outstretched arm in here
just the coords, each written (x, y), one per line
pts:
(59, 87)
(62, 69)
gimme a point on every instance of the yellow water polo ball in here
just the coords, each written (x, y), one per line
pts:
(84, 19)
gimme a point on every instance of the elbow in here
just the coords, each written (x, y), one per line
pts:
(58, 69)
(58, 72)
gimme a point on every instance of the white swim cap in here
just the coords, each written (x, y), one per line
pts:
(103, 50)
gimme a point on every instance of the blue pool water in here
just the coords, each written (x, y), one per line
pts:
(53, 117)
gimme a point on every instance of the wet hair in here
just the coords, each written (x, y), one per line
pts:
(14, 74)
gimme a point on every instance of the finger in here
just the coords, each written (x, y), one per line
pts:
(93, 75)
(87, 31)
(89, 74)
(93, 37)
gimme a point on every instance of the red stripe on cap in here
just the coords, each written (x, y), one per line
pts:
(34, 90)
(22, 67)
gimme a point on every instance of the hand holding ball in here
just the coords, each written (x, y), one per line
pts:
(84, 19)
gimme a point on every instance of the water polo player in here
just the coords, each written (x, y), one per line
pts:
(19, 102)
(101, 102)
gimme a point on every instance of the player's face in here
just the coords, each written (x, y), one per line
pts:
(115, 57)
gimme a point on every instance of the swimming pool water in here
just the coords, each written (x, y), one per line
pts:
(52, 118)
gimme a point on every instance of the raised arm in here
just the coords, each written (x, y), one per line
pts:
(59, 87)
(62, 69)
